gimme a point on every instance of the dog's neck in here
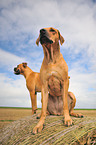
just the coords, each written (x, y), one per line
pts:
(27, 72)
(51, 52)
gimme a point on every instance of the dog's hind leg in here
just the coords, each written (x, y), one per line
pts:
(72, 97)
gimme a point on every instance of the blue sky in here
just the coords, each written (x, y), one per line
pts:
(20, 22)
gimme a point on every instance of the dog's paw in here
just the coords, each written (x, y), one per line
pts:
(68, 121)
(76, 115)
(79, 116)
(38, 116)
(37, 129)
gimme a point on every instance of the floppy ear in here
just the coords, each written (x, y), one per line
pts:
(61, 38)
(37, 41)
(24, 64)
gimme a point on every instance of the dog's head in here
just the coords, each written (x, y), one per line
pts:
(20, 68)
(49, 36)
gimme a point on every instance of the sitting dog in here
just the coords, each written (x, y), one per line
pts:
(33, 82)
(53, 76)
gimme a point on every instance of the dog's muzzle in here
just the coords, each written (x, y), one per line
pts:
(16, 71)
(44, 37)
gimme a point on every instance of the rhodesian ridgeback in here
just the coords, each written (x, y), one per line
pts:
(33, 82)
(53, 76)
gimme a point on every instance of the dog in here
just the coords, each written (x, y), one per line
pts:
(53, 75)
(33, 82)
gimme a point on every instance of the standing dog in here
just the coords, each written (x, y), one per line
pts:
(33, 82)
(53, 75)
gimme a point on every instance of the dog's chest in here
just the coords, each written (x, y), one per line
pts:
(55, 85)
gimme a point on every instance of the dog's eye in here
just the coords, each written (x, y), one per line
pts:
(52, 30)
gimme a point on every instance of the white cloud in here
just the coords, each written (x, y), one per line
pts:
(76, 20)
(83, 85)
(14, 92)
(9, 60)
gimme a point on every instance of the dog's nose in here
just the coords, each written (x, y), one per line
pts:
(15, 69)
(42, 31)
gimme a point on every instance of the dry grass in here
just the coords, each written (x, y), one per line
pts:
(18, 132)
(89, 113)
(8, 115)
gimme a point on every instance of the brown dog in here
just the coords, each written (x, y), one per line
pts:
(33, 82)
(53, 75)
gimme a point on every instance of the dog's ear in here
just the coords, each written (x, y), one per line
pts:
(24, 64)
(37, 41)
(61, 38)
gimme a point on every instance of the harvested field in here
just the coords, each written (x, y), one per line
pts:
(8, 115)
(82, 132)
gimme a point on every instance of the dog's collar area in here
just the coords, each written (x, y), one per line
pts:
(48, 52)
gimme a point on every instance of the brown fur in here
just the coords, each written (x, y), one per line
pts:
(33, 82)
(53, 76)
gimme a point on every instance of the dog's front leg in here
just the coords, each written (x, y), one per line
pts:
(39, 126)
(33, 101)
(67, 118)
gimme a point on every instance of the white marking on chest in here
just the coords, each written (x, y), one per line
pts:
(52, 73)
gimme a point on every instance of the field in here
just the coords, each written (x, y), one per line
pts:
(17, 124)
(8, 115)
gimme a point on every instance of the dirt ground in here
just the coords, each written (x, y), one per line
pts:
(8, 115)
